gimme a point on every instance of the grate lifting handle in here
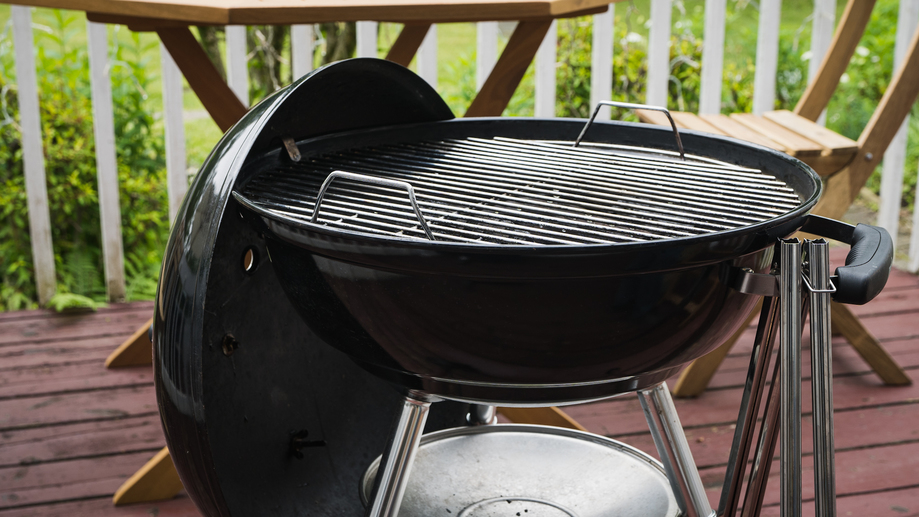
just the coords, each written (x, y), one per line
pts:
(632, 106)
(373, 180)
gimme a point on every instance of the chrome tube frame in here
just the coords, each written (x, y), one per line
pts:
(674, 451)
(396, 464)
(767, 441)
(765, 449)
(790, 377)
(749, 407)
(820, 288)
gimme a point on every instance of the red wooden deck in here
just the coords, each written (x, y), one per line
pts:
(71, 432)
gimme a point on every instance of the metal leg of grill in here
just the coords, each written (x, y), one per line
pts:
(749, 407)
(674, 450)
(768, 438)
(790, 378)
(765, 449)
(396, 464)
(482, 415)
(822, 378)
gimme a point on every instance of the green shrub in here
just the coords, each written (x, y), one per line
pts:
(572, 83)
(70, 168)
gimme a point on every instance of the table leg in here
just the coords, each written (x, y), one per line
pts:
(541, 416)
(218, 99)
(407, 44)
(868, 346)
(137, 350)
(155, 481)
(501, 84)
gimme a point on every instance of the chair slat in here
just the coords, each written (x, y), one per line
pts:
(654, 117)
(685, 119)
(833, 143)
(795, 144)
(731, 127)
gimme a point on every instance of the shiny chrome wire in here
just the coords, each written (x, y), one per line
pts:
(510, 191)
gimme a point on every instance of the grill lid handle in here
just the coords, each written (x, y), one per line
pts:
(631, 106)
(373, 180)
(867, 264)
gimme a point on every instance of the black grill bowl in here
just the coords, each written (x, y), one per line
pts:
(515, 341)
(521, 325)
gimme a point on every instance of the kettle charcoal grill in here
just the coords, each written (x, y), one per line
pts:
(478, 261)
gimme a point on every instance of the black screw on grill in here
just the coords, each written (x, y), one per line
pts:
(229, 345)
(298, 442)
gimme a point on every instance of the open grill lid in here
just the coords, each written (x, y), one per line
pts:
(510, 191)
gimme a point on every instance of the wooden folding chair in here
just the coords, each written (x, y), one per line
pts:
(844, 164)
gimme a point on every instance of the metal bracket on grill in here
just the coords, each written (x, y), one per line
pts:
(812, 289)
(373, 180)
(629, 105)
(291, 147)
(748, 282)
(761, 284)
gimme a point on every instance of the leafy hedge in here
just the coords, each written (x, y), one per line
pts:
(70, 168)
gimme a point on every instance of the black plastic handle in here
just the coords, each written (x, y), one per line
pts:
(868, 262)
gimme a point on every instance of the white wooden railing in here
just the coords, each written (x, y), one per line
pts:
(302, 39)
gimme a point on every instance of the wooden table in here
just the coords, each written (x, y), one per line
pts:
(171, 20)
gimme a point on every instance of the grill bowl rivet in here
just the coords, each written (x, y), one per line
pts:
(229, 345)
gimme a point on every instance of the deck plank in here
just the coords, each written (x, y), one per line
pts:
(846, 361)
(903, 502)
(857, 471)
(623, 414)
(83, 350)
(76, 407)
(57, 378)
(26, 485)
(72, 326)
(859, 428)
(71, 431)
(98, 438)
(181, 506)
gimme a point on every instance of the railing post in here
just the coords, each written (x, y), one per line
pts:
(176, 175)
(486, 51)
(767, 56)
(659, 53)
(106, 164)
(821, 36)
(32, 155)
(913, 265)
(366, 39)
(546, 58)
(427, 57)
(601, 61)
(301, 50)
(237, 62)
(895, 156)
(712, 58)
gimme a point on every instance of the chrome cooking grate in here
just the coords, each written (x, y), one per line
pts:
(509, 191)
